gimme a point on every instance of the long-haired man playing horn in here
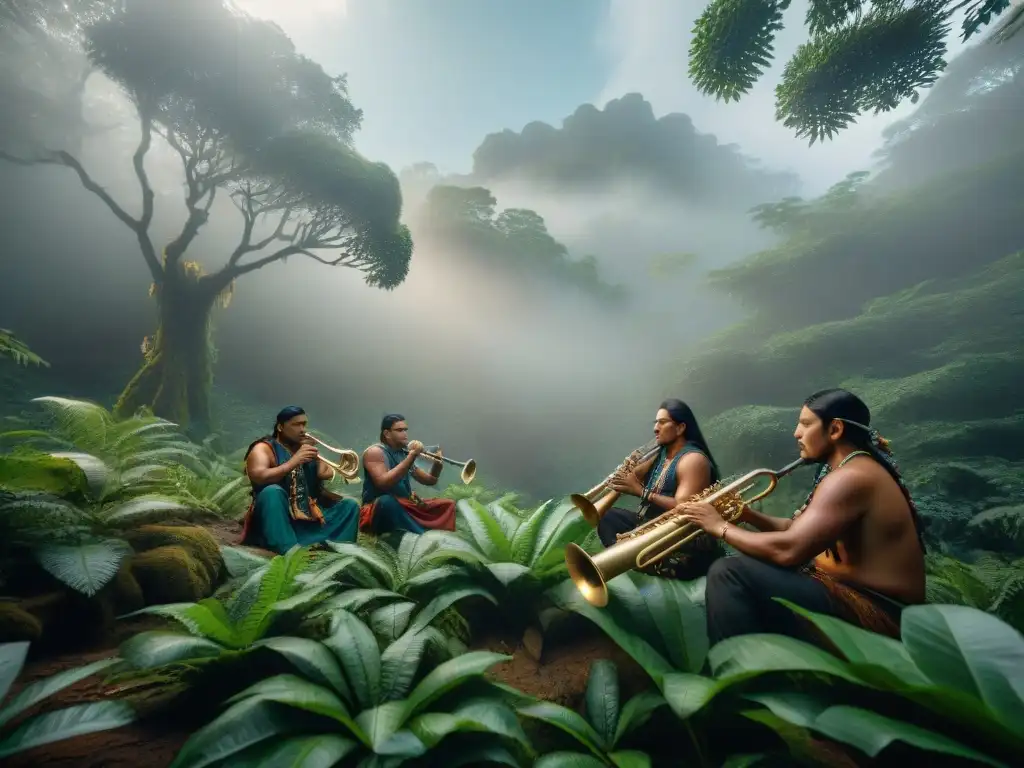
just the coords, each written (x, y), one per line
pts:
(854, 550)
(683, 468)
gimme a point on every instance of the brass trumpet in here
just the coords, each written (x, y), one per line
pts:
(592, 505)
(348, 461)
(652, 542)
(468, 467)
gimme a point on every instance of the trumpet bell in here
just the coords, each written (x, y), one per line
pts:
(469, 472)
(586, 575)
(586, 508)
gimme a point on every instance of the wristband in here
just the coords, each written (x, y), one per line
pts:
(725, 527)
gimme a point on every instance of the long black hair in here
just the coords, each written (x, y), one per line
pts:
(841, 405)
(681, 413)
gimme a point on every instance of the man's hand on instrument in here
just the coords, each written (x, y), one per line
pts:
(703, 515)
(438, 454)
(628, 483)
(306, 453)
(415, 447)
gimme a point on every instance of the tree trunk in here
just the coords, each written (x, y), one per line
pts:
(175, 378)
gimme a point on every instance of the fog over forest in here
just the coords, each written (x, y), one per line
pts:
(558, 282)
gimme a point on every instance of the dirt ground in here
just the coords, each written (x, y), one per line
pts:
(560, 676)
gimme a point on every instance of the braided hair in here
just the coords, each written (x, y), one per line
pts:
(841, 405)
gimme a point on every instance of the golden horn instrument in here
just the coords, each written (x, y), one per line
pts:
(652, 542)
(468, 467)
(348, 461)
(592, 504)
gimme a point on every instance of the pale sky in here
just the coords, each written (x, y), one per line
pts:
(433, 77)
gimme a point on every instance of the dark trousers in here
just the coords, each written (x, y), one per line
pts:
(739, 599)
(616, 520)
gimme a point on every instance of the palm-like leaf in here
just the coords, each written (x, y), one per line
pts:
(376, 705)
(54, 726)
(605, 724)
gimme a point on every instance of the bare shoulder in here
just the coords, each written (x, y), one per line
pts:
(694, 461)
(373, 453)
(261, 450)
(853, 482)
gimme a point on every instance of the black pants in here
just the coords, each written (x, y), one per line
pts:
(615, 521)
(739, 600)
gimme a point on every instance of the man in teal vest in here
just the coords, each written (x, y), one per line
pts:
(682, 468)
(389, 503)
(290, 504)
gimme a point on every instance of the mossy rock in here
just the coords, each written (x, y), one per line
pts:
(198, 541)
(31, 471)
(171, 574)
(17, 624)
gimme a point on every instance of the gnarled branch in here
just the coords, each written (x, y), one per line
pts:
(139, 226)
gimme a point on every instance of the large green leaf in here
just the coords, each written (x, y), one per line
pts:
(568, 721)
(86, 568)
(399, 663)
(383, 727)
(35, 692)
(636, 713)
(299, 693)
(879, 659)
(971, 651)
(67, 723)
(198, 619)
(352, 642)
(148, 650)
(478, 716)
(444, 601)
(478, 527)
(240, 561)
(448, 676)
(569, 760)
(389, 622)
(249, 722)
(602, 700)
(312, 659)
(12, 659)
(868, 731)
(318, 751)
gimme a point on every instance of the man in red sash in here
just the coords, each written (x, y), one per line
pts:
(389, 503)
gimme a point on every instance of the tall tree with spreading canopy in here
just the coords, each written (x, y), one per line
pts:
(862, 54)
(253, 119)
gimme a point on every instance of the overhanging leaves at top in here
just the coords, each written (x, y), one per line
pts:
(860, 56)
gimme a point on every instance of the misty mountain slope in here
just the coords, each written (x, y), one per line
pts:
(625, 141)
(939, 366)
(837, 258)
(981, 94)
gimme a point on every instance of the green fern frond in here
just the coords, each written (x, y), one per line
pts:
(732, 45)
(86, 568)
(15, 349)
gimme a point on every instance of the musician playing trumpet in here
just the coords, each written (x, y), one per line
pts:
(389, 503)
(854, 550)
(290, 504)
(682, 468)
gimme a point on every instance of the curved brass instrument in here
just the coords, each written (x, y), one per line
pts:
(348, 461)
(592, 505)
(468, 467)
(652, 542)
